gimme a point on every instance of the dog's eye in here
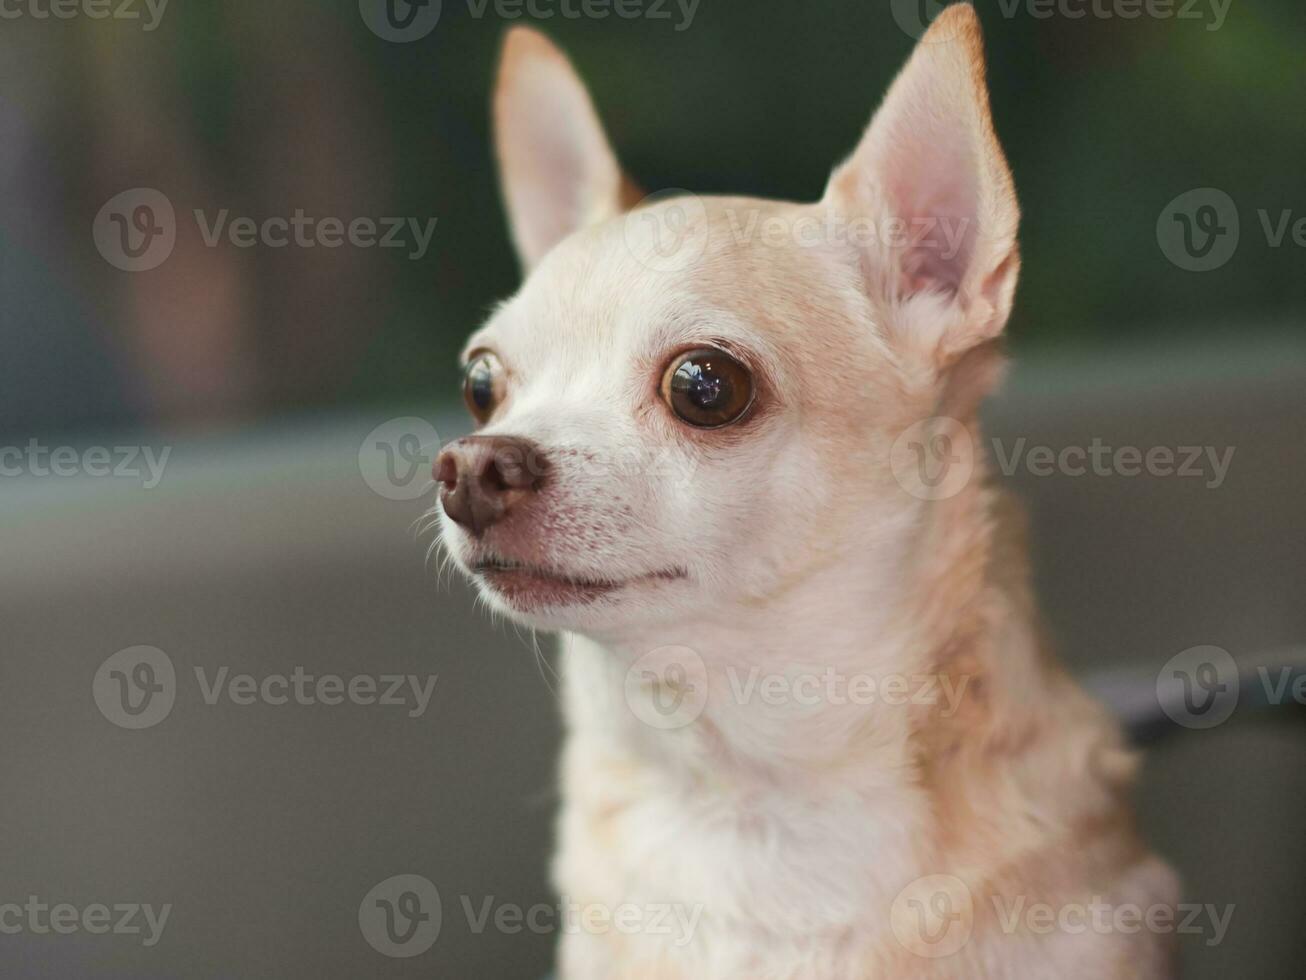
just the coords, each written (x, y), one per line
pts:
(707, 388)
(483, 385)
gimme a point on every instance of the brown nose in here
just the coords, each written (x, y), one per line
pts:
(482, 477)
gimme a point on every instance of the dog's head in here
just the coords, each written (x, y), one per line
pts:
(691, 402)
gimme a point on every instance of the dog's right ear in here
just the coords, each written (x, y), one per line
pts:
(556, 167)
(930, 165)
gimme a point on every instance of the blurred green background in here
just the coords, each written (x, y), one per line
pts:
(265, 108)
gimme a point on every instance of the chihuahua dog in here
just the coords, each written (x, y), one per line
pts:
(812, 728)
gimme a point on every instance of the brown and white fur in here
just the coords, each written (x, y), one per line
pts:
(795, 833)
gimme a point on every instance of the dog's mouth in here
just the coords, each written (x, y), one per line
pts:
(526, 586)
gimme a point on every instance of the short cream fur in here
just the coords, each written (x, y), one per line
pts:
(792, 835)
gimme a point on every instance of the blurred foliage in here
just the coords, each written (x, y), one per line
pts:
(1105, 120)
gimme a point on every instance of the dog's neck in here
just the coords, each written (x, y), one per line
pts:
(864, 796)
(846, 786)
(826, 680)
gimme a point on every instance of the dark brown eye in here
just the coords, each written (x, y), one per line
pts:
(707, 388)
(483, 385)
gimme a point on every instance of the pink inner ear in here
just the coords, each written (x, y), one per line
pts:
(932, 186)
(929, 171)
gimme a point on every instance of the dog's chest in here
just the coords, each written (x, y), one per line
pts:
(708, 881)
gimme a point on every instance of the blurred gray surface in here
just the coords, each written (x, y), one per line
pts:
(265, 826)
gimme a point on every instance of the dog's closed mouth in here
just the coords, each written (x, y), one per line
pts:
(528, 586)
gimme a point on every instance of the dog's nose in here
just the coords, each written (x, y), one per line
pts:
(482, 477)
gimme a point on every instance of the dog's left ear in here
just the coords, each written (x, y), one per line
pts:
(557, 169)
(931, 179)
